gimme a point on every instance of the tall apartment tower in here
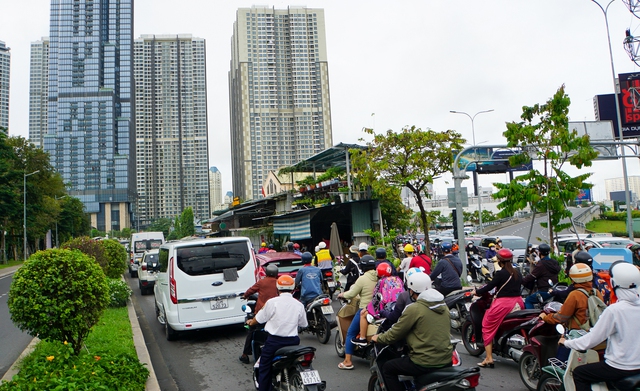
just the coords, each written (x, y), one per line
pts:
(617, 184)
(215, 188)
(38, 91)
(279, 93)
(90, 123)
(5, 66)
(171, 126)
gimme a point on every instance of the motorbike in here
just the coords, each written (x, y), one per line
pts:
(559, 292)
(318, 310)
(329, 284)
(559, 374)
(478, 269)
(510, 337)
(542, 345)
(459, 303)
(453, 378)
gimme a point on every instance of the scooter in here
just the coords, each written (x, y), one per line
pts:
(477, 268)
(453, 378)
(344, 320)
(459, 303)
(329, 284)
(318, 310)
(559, 374)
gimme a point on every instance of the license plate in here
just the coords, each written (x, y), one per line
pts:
(468, 305)
(219, 304)
(327, 309)
(310, 377)
(331, 284)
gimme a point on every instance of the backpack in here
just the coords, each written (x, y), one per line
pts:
(384, 294)
(594, 309)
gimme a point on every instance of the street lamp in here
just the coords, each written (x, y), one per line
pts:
(24, 227)
(56, 198)
(475, 183)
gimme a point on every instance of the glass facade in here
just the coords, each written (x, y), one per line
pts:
(38, 91)
(5, 65)
(90, 100)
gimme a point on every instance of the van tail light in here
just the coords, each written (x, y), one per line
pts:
(143, 266)
(261, 274)
(131, 259)
(173, 290)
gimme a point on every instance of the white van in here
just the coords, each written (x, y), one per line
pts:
(201, 281)
(139, 243)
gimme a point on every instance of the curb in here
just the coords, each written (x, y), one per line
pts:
(141, 348)
(15, 367)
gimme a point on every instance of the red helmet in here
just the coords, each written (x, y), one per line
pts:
(384, 270)
(504, 255)
(296, 246)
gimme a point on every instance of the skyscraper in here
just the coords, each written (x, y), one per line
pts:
(171, 126)
(90, 99)
(279, 92)
(215, 188)
(38, 91)
(5, 66)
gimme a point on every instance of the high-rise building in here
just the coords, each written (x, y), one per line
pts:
(171, 126)
(38, 91)
(215, 188)
(90, 123)
(228, 198)
(5, 67)
(617, 184)
(279, 93)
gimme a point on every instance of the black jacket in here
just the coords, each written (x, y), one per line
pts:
(546, 269)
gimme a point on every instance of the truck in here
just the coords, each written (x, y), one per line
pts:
(139, 243)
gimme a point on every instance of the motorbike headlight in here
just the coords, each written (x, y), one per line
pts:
(453, 313)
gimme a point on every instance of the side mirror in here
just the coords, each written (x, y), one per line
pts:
(370, 319)
(247, 309)
(560, 329)
(469, 279)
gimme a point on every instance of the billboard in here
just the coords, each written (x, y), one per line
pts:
(629, 100)
(584, 195)
(620, 196)
(490, 161)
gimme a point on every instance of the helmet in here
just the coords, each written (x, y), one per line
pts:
(411, 271)
(384, 270)
(322, 245)
(408, 248)
(317, 249)
(296, 246)
(363, 247)
(290, 246)
(263, 244)
(381, 253)
(504, 255)
(544, 249)
(583, 257)
(580, 272)
(285, 283)
(419, 282)
(446, 246)
(470, 243)
(367, 263)
(306, 257)
(353, 249)
(271, 270)
(271, 246)
(624, 275)
(529, 245)
(492, 245)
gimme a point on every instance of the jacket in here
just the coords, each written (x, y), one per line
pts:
(501, 277)
(266, 289)
(546, 269)
(425, 326)
(576, 304)
(363, 286)
(309, 278)
(450, 274)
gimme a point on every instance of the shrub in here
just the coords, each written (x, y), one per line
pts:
(58, 295)
(116, 256)
(90, 247)
(119, 292)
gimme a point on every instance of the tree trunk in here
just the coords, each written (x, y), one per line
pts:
(423, 221)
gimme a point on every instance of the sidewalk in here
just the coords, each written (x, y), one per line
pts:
(138, 342)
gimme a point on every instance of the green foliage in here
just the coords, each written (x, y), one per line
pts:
(91, 247)
(58, 295)
(95, 233)
(116, 256)
(544, 132)
(621, 216)
(162, 224)
(119, 292)
(331, 173)
(187, 228)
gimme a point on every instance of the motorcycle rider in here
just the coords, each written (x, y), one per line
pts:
(425, 327)
(403, 300)
(490, 255)
(283, 316)
(635, 250)
(309, 278)
(324, 257)
(507, 299)
(471, 250)
(449, 269)
(296, 249)
(351, 270)
(364, 287)
(381, 256)
(266, 289)
(421, 260)
(404, 265)
(263, 248)
(546, 269)
(618, 324)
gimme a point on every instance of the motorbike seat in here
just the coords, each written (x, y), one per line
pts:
(443, 374)
(296, 350)
(459, 291)
(522, 314)
(628, 383)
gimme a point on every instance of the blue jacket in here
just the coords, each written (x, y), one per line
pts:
(310, 279)
(450, 274)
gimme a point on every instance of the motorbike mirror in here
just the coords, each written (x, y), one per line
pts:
(550, 282)
(247, 309)
(560, 329)
(370, 319)
(469, 279)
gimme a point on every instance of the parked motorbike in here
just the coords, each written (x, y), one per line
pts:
(559, 374)
(318, 310)
(459, 303)
(453, 378)
(543, 344)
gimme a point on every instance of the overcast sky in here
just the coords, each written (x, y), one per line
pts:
(409, 62)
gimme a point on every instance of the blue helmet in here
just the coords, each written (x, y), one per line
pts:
(446, 246)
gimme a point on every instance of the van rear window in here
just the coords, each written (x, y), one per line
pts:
(147, 244)
(212, 258)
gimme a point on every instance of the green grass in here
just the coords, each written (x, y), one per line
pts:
(607, 226)
(9, 264)
(112, 333)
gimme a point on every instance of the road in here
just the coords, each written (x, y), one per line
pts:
(538, 234)
(13, 340)
(208, 359)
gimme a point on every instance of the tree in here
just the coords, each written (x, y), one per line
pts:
(544, 132)
(162, 224)
(411, 158)
(187, 227)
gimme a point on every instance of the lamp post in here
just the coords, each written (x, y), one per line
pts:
(57, 243)
(475, 183)
(24, 227)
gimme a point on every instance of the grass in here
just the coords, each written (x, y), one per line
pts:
(607, 226)
(10, 263)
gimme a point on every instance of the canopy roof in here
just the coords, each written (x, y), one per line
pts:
(331, 157)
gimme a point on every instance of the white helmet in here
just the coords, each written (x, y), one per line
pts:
(317, 248)
(411, 271)
(322, 245)
(419, 282)
(624, 275)
(580, 272)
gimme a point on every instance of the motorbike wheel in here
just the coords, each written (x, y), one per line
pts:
(295, 382)
(469, 339)
(323, 333)
(529, 370)
(339, 345)
(374, 384)
(549, 383)
(255, 378)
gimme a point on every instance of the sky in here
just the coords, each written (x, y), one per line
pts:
(396, 64)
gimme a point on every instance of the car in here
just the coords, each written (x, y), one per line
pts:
(148, 271)
(567, 244)
(287, 263)
(139, 243)
(201, 282)
(517, 245)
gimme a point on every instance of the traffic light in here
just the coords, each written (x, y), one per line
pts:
(454, 215)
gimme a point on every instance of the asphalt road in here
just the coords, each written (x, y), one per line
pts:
(538, 233)
(13, 341)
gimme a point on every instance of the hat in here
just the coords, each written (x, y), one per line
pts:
(363, 247)
(322, 245)
(353, 249)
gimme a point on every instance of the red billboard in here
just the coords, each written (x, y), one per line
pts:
(630, 104)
